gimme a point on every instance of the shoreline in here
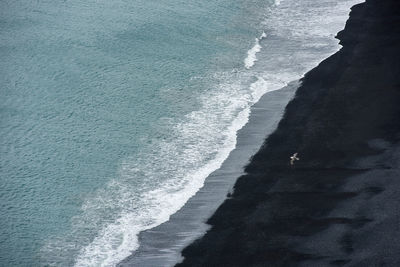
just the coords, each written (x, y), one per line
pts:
(162, 245)
(337, 205)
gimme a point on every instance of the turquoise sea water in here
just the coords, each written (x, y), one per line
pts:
(114, 112)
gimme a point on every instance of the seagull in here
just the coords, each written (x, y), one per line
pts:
(293, 158)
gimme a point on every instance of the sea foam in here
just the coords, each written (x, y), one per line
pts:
(251, 54)
(202, 151)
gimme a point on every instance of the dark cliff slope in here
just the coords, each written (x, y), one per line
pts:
(339, 205)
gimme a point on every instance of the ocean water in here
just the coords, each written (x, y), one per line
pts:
(113, 113)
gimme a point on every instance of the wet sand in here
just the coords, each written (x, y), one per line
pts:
(339, 204)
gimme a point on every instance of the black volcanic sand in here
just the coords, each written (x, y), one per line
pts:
(340, 204)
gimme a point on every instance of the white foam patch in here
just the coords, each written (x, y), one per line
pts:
(277, 2)
(251, 58)
(263, 35)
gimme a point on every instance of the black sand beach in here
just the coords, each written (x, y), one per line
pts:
(339, 205)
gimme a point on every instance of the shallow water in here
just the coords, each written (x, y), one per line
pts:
(114, 113)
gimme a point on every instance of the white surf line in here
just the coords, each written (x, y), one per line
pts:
(117, 240)
(251, 54)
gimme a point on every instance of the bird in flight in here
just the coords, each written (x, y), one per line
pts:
(293, 158)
